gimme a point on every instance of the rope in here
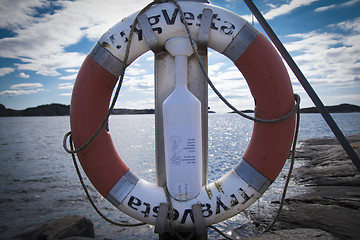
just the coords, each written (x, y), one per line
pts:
(269, 227)
(170, 208)
(227, 103)
(282, 201)
(296, 108)
(171, 211)
(90, 198)
(72, 151)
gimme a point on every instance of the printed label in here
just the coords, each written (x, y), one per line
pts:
(182, 189)
(183, 150)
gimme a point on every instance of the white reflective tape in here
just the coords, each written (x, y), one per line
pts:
(252, 176)
(241, 42)
(105, 59)
(122, 188)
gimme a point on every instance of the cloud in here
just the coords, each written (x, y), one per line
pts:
(23, 75)
(133, 71)
(40, 36)
(23, 88)
(287, 8)
(329, 58)
(13, 93)
(23, 10)
(71, 70)
(143, 83)
(349, 97)
(5, 71)
(322, 9)
(65, 86)
(213, 68)
(148, 103)
(69, 77)
(26, 86)
(345, 4)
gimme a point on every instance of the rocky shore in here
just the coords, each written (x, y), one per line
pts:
(326, 206)
(330, 202)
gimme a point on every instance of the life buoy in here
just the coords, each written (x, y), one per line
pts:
(267, 151)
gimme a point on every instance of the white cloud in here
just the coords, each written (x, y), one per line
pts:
(271, 5)
(23, 88)
(213, 68)
(13, 93)
(71, 70)
(349, 98)
(26, 86)
(134, 71)
(39, 42)
(321, 9)
(329, 58)
(23, 10)
(148, 103)
(287, 8)
(65, 86)
(23, 75)
(143, 83)
(5, 71)
(345, 4)
(69, 77)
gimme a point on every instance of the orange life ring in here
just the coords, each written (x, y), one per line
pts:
(268, 149)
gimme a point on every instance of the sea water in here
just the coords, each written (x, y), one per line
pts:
(39, 183)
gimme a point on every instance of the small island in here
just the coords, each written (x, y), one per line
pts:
(342, 108)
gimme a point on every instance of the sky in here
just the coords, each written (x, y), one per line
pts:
(43, 44)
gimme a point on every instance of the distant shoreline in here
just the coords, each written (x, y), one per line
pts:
(56, 109)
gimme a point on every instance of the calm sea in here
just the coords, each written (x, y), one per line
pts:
(38, 181)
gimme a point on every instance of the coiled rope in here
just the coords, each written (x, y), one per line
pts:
(72, 151)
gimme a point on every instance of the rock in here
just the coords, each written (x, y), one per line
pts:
(295, 234)
(328, 165)
(328, 191)
(340, 220)
(79, 238)
(63, 228)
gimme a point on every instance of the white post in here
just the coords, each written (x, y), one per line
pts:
(182, 128)
(164, 85)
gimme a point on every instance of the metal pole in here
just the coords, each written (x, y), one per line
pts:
(306, 85)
